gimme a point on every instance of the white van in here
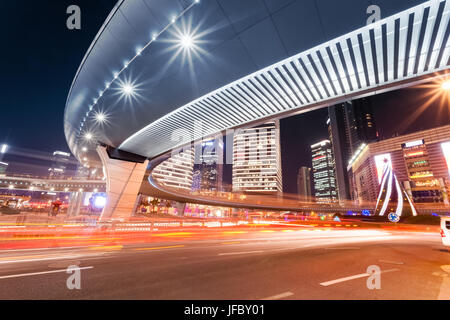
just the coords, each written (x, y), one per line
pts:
(445, 230)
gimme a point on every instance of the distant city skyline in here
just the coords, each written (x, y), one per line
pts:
(297, 133)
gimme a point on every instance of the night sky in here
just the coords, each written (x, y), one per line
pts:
(41, 56)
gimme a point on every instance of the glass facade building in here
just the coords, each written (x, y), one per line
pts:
(420, 161)
(60, 163)
(208, 165)
(257, 159)
(176, 172)
(304, 184)
(350, 125)
(325, 189)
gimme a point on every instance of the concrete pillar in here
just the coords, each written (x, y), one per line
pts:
(180, 206)
(443, 190)
(123, 181)
(74, 204)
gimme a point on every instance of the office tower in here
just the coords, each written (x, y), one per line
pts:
(208, 165)
(257, 159)
(304, 184)
(60, 164)
(350, 125)
(323, 172)
(176, 172)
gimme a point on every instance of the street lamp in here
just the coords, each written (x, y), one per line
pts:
(446, 85)
(3, 148)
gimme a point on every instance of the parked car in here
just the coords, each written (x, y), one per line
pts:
(9, 210)
(445, 231)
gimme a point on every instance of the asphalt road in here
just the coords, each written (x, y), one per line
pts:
(258, 264)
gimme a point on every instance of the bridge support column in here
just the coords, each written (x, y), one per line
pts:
(123, 181)
(180, 206)
(74, 204)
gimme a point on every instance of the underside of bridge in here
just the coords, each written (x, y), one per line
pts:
(404, 49)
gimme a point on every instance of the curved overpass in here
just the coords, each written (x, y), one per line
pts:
(154, 186)
(248, 60)
(163, 73)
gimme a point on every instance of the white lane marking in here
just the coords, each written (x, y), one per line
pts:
(39, 273)
(233, 253)
(40, 259)
(391, 262)
(439, 274)
(342, 248)
(43, 249)
(444, 290)
(279, 296)
(356, 276)
(446, 268)
(65, 257)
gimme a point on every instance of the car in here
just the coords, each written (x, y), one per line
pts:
(9, 210)
(445, 231)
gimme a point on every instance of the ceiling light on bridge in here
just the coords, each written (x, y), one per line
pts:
(186, 41)
(66, 189)
(10, 187)
(31, 188)
(88, 136)
(128, 89)
(84, 149)
(100, 117)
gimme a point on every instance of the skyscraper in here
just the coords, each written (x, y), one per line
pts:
(60, 163)
(257, 159)
(176, 172)
(304, 184)
(208, 165)
(350, 125)
(323, 172)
